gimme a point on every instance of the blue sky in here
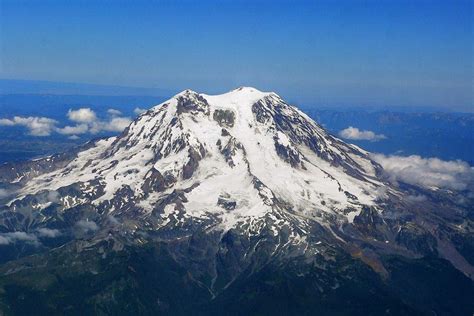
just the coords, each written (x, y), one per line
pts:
(316, 52)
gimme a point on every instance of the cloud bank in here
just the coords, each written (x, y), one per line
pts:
(428, 172)
(86, 122)
(114, 112)
(355, 134)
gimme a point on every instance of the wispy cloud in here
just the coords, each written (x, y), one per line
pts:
(416, 198)
(85, 226)
(139, 111)
(4, 193)
(113, 221)
(428, 172)
(114, 112)
(29, 238)
(48, 233)
(9, 238)
(355, 134)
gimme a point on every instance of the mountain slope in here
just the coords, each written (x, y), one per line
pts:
(223, 188)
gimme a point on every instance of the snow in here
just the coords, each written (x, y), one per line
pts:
(283, 139)
(152, 141)
(352, 215)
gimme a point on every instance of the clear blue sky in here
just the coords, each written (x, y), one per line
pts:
(319, 52)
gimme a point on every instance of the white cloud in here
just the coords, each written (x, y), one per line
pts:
(139, 111)
(83, 115)
(356, 134)
(114, 112)
(116, 124)
(91, 124)
(73, 130)
(428, 172)
(37, 126)
(74, 137)
(48, 233)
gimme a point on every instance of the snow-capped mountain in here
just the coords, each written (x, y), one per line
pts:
(231, 184)
(245, 147)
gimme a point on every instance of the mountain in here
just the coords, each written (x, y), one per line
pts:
(236, 203)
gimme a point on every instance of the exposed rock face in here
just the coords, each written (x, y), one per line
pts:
(190, 102)
(226, 201)
(215, 197)
(225, 118)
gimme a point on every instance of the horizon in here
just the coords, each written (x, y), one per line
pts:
(331, 53)
(55, 88)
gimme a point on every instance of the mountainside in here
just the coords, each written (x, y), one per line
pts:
(235, 203)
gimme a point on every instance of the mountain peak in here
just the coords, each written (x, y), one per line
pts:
(246, 147)
(186, 92)
(242, 97)
(244, 90)
(241, 91)
(247, 89)
(221, 187)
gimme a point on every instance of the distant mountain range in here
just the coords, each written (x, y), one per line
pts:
(448, 136)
